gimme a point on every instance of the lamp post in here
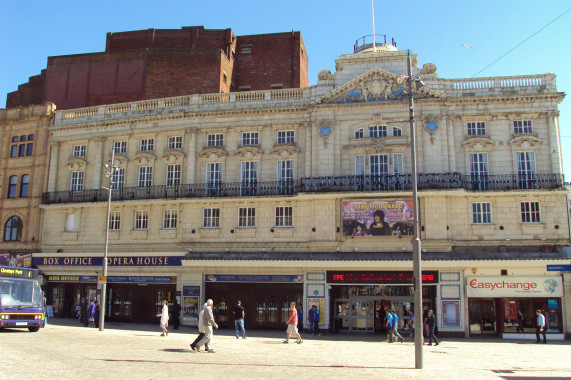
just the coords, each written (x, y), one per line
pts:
(416, 245)
(109, 175)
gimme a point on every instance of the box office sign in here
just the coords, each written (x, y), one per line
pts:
(503, 286)
(120, 261)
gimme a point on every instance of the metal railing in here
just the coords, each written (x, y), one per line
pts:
(332, 184)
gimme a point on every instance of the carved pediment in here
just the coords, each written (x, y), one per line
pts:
(249, 151)
(376, 85)
(212, 153)
(478, 143)
(525, 141)
(144, 158)
(284, 150)
(377, 147)
(77, 164)
(171, 157)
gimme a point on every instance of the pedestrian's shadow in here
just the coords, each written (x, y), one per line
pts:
(180, 350)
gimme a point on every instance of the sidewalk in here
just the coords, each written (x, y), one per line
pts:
(66, 350)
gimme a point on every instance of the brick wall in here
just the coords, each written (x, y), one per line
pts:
(28, 93)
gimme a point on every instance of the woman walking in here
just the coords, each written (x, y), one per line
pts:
(164, 318)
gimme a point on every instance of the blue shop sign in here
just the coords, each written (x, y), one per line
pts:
(191, 291)
(252, 278)
(559, 268)
(114, 279)
(121, 261)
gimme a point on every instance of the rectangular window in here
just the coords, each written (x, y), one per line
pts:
(120, 147)
(248, 177)
(216, 139)
(173, 175)
(71, 222)
(147, 145)
(213, 178)
(284, 177)
(29, 149)
(145, 176)
(530, 212)
(522, 126)
(379, 164)
(286, 137)
(175, 142)
(359, 133)
(141, 219)
(250, 138)
(22, 150)
(246, 217)
(76, 183)
(14, 151)
(211, 218)
(526, 177)
(24, 185)
(477, 128)
(170, 218)
(13, 186)
(397, 164)
(118, 181)
(397, 131)
(359, 165)
(479, 171)
(481, 213)
(377, 131)
(284, 216)
(79, 151)
(114, 220)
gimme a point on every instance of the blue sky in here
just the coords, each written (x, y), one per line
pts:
(435, 30)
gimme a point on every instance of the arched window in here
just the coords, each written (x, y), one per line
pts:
(13, 229)
(24, 185)
(12, 186)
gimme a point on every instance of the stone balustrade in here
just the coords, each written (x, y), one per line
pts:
(525, 84)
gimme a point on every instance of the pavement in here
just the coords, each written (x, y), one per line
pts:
(65, 350)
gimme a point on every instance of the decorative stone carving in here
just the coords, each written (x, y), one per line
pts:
(525, 141)
(284, 150)
(144, 158)
(324, 75)
(77, 164)
(212, 153)
(478, 143)
(428, 68)
(173, 157)
(249, 151)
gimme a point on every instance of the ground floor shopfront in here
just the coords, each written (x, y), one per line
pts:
(349, 295)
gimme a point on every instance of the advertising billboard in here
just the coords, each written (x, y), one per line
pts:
(378, 218)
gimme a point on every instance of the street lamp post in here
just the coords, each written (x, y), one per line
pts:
(109, 175)
(416, 245)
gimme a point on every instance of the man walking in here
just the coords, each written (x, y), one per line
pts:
(176, 308)
(431, 321)
(239, 320)
(292, 324)
(395, 331)
(208, 323)
(313, 317)
(200, 330)
(390, 323)
(540, 327)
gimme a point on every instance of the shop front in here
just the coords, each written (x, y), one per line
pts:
(265, 298)
(134, 294)
(360, 300)
(506, 306)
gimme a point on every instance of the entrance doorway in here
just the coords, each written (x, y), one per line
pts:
(482, 316)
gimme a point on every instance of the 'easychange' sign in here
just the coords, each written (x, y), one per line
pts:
(504, 286)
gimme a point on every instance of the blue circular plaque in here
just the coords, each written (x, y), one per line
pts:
(325, 130)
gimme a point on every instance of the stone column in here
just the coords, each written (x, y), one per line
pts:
(451, 144)
(190, 138)
(53, 166)
(554, 142)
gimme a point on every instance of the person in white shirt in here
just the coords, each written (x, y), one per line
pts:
(540, 327)
(164, 318)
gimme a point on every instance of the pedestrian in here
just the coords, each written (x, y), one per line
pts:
(313, 318)
(97, 311)
(520, 321)
(164, 323)
(207, 322)
(431, 321)
(176, 308)
(239, 320)
(83, 312)
(395, 331)
(540, 327)
(424, 323)
(411, 325)
(200, 330)
(90, 313)
(292, 325)
(389, 326)
(300, 316)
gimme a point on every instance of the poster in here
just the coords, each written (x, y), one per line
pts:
(378, 218)
(190, 306)
(16, 259)
(450, 313)
(319, 302)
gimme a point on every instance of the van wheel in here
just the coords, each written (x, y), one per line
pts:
(34, 329)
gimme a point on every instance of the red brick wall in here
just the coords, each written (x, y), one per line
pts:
(152, 63)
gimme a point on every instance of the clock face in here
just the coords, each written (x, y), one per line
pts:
(431, 126)
(325, 130)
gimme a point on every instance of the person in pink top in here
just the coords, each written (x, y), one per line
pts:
(292, 324)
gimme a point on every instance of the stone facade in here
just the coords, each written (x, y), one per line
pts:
(256, 181)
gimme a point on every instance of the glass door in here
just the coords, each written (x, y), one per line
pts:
(482, 317)
(342, 315)
(362, 315)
